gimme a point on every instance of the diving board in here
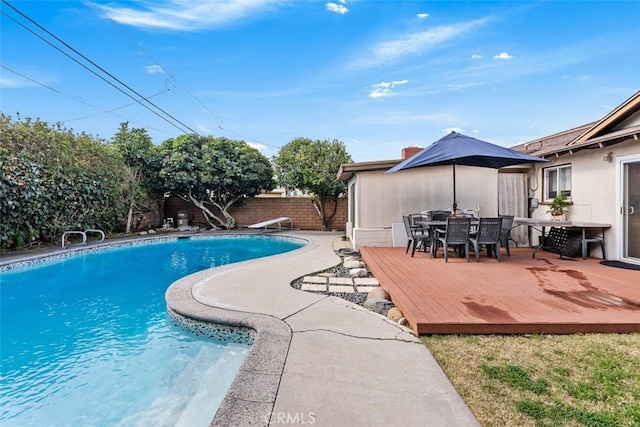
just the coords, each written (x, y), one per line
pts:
(279, 221)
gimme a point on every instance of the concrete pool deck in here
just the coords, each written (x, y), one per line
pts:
(316, 359)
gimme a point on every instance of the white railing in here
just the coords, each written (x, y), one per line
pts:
(84, 235)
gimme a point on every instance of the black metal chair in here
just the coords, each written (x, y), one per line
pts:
(505, 232)
(456, 234)
(488, 234)
(416, 236)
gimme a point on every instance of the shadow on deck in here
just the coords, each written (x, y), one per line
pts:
(518, 295)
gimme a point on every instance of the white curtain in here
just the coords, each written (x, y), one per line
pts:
(513, 199)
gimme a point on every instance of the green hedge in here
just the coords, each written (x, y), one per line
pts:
(52, 180)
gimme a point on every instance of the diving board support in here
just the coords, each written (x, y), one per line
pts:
(279, 221)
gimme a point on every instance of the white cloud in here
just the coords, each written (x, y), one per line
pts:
(422, 15)
(337, 8)
(502, 55)
(476, 56)
(153, 69)
(385, 88)
(184, 15)
(416, 43)
(6, 82)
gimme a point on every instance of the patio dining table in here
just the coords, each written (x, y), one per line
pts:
(541, 225)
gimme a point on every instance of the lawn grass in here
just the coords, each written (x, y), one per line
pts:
(545, 380)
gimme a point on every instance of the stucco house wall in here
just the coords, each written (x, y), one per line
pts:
(594, 192)
(381, 199)
(599, 153)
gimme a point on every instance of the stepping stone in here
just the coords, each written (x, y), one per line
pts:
(366, 281)
(314, 279)
(341, 289)
(340, 281)
(365, 289)
(313, 287)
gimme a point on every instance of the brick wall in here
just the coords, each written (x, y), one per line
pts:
(254, 210)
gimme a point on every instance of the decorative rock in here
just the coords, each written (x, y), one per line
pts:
(358, 272)
(379, 305)
(152, 231)
(143, 233)
(351, 258)
(403, 322)
(379, 292)
(353, 264)
(394, 314)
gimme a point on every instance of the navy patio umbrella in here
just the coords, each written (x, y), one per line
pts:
(458, 149)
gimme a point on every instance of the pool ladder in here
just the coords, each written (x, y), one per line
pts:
(84, 235)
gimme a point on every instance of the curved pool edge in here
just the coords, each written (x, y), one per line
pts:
(252, 395)
(9, 261)
(254, 389)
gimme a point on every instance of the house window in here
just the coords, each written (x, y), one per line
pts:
(557, 180)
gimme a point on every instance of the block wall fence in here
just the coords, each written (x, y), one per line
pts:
(300, 209)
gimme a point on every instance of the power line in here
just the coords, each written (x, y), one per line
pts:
(141, 97)
(8, 68)
(109, 111)
(171, 79)
(153, 61)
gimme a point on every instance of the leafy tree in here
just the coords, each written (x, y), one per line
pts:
(311, 166)
(214, 173)
(142, 187)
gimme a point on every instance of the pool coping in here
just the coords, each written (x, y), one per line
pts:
(251, 397)
(254, 389)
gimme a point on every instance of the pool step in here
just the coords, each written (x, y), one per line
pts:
(192, 395)
(215, 381)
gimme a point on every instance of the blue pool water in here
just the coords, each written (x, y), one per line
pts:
(86, 340)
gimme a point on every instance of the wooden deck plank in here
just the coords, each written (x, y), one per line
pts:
(517, 295)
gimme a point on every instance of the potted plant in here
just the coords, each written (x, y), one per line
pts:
(558, 206)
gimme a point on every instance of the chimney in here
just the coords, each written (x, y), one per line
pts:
(410, 151)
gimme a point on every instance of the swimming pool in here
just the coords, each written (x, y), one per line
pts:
(86, 339)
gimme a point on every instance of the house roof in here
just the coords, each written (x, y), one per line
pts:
(346, 171)
(609, 130)
(604, 132)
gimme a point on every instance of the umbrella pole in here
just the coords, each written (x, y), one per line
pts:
(455, 205)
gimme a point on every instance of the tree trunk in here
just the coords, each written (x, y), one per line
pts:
(206, 212)
(129, 219)
(319, 205)
(231, 221)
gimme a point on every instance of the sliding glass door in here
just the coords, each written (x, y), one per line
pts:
(630, 209)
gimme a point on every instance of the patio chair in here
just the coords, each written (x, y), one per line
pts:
(456, 234)
(488, 234)
(417, 236)
(413, 218)
(505, 232)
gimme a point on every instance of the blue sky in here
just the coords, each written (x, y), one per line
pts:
(376, 75)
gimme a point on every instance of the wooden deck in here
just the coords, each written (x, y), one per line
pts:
(515, 296)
